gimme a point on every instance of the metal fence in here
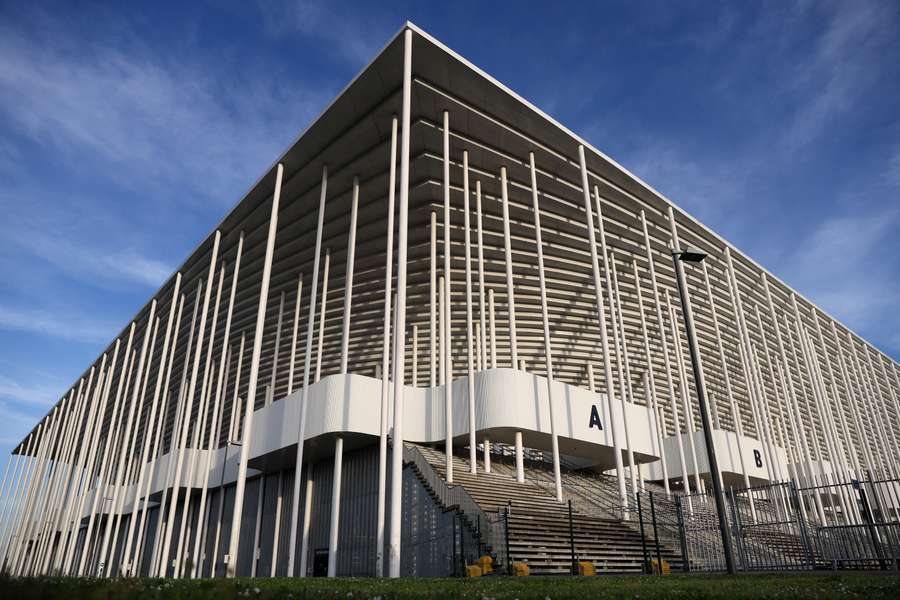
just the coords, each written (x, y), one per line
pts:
(779, 527)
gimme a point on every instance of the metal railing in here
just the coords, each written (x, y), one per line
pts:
(489, 528)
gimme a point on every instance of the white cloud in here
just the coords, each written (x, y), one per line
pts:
(344, 34)
(57, 325)
(32, 394)
(153, 119)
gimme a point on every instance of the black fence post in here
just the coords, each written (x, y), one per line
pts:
(572, 540)
(684, 551)
(509, 560)
(737, 527)
(870, 525)
(655, 534)
(804, 534)
(645, 567)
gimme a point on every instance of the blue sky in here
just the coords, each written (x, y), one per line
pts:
(126, 134)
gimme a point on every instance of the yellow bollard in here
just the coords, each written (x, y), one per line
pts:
(473, 571)
(521, 569)
(586, 569)
(487, 565)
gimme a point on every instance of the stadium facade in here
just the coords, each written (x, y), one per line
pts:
(437, 266)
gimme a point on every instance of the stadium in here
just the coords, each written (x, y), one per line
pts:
(442, 327)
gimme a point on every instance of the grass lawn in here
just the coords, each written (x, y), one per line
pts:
(867, 585)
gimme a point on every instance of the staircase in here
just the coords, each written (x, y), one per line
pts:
(539, 531)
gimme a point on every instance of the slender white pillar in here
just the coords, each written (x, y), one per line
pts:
(307, 519)
(520, 458)
(415, 356)
(386, 346)
(649, 384)
(345, 350)
(218, 409)
(324, 306)
(482, 323)
(294, 331)
(399, 362)
(276, 535)
(469, 330)
(682, 385)
(446, 381)
(446, 332)
(545, 320)
(253, 382)
(510, 289)
(199, 433)
(729, 392)
(432, 303)
(126, 567)
(104, 461)
(301, 431)
(493, 328)
(601, 317)
(124, 453)
(277, 350)
(667, 361)
(335, 506)
(615, 306)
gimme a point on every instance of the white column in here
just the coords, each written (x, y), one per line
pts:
(217, 406)
(601, 317)
(415, 356)
(126, 567)
(545, 319)
(324, 306)
(385, 350)
(277, 350)
(493, 328)
(199, 432)
(277, 533)
(625, 389)
(301, 431)
(400, 359)
(729, 393)
(682, 384)
(446, 332)
(670, 386)
(469, 333)
(650, 385)
(520, 458)
(432, 293)
(445, 381)
(241, 482)
(482, 323)
(125, 447)
(294, 332)
(345, 350)
(510, 290)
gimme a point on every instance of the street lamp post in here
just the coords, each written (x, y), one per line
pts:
(696, 256)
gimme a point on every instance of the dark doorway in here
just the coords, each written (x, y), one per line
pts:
(320, 562)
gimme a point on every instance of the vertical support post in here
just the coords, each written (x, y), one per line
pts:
(324, 305)
(493, 328)
(481, 295)
(294, 332)
(601, 317)
(432, 304)
(670, 386)
(399, 362)
(545, 319)
(254, 378)
(510, 289)
(386, 348)
(301, 428)
(469, 334)
(649, 385)
(446, 288)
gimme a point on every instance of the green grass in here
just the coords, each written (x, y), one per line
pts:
(867, 585)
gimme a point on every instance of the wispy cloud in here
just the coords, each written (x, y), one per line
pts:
(155, 119)
(343, 31)
(38, 395)
(52, 324)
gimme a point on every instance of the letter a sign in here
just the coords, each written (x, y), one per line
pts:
(595, 418)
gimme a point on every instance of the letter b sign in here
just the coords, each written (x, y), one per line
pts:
(757, 457)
